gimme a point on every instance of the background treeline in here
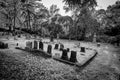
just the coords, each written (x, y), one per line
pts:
(85, 23)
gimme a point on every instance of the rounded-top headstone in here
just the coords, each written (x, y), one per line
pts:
(73, 56)
(61, 47)
(56, 46)
(30, 45)
(41, 45)
(64, 54)
(35, 44)
(49, 49)
(82, 49)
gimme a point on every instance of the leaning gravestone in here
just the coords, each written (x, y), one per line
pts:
(82, 49)
(61, 47)
(56, 46)
(49, 49)
(41, 45)
(64, 54)
(35, 44)
(73, 56)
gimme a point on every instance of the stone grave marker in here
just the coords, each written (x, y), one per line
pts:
(15, 38)
(19, 35)
(61, 47)
(98, 44)
(73, 56)
(82, 49)
(35, 44)
(17, 44)
(41, 45)
(68, 49)
(29, 45)
(49, 49)
(3, 45)
(64, 54)
(56, 46)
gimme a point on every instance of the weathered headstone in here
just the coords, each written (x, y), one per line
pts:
(68, 49)
(56, 46)
(35, 44)
(17, 44)
(94, 37)
(29, 45)
(6, 45)
(82, 49)
(51, 38)
(61, 47)
(19, 35)
(49, 49)
(41, 45)
(73, 56)
(64, 54)
(3, 45)
(15, 38)
(98, 44)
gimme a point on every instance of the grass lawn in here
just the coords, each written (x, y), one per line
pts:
(21, 65)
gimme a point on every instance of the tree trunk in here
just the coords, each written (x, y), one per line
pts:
(29, 20)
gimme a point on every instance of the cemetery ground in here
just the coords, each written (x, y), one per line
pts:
(21, 65)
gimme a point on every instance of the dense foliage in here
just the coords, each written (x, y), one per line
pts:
(84, 23)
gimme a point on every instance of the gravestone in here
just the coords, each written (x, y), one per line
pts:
(61, 47)
(29, 45)
(56, 46)
(51, 38)
(68, 49)
(49, 49)
(64, 54)
(17, 44)
(35, 44)
(15, 38)
(78, 45)
(82, 49)
(41, 45)
(94, 37)
(6, 45)
(98, 44)
(73, 56)
(19, 35)
(3, 45)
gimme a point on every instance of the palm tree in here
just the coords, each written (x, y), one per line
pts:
(80, 3)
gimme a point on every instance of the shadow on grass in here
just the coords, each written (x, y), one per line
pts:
(36, 53)
(87, 63)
